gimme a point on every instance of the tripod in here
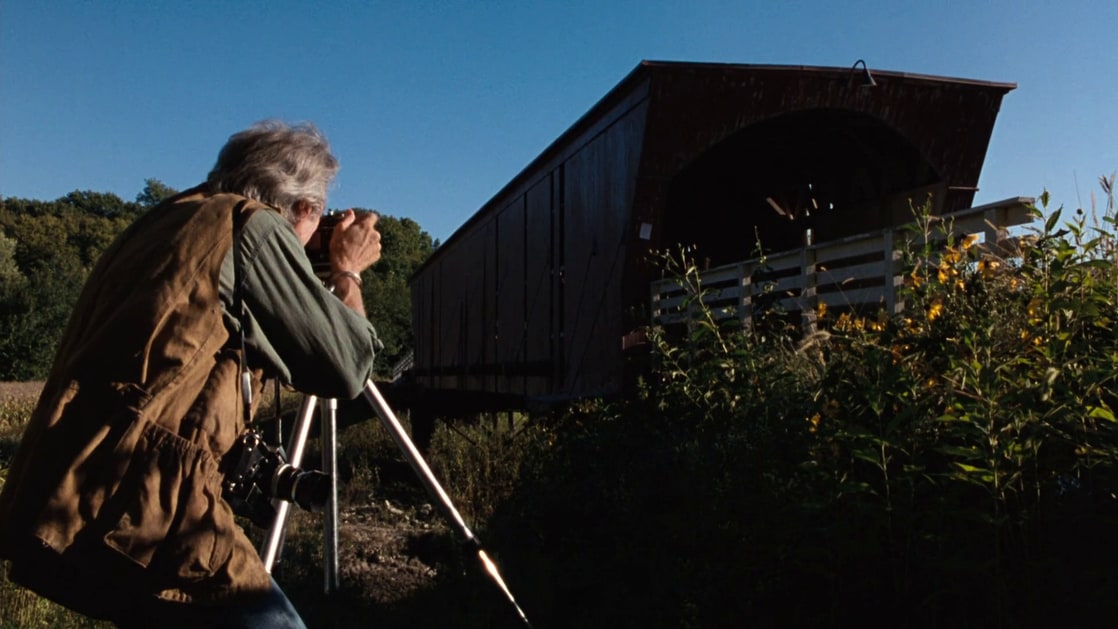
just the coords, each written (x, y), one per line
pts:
(273, 541)
(297, 448)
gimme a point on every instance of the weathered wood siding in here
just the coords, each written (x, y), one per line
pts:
(529, 294)
(532, 296)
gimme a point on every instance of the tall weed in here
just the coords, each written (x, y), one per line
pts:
(950, 463)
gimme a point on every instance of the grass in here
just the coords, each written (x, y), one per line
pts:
(19, 607)
(476, 462)
(17, 399)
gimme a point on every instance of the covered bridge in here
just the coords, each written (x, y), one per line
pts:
(530, 300)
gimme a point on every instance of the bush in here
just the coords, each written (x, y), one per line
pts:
(952, 463)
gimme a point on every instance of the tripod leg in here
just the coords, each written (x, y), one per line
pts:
(330, 466)
(415, 459)
(411, 453)
(273, 541)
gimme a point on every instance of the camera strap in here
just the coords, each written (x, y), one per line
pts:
(240, 217)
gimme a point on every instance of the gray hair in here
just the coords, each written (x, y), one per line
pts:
(277, 164)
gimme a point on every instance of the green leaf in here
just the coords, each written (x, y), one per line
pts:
(958, 451)
(1101, 412)
(1053, 219)
(971, 469)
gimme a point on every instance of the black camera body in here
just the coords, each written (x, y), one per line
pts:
(259, 474)
(318, 248)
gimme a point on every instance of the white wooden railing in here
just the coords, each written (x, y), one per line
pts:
(849, 273)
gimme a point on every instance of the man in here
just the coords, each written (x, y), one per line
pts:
(113, 505)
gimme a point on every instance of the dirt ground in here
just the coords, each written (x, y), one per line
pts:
(390, 555)
(402, 565)
(387, 551)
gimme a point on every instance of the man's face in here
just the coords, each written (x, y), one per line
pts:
(306, 221)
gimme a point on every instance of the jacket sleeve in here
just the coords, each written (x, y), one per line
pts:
(294, 324)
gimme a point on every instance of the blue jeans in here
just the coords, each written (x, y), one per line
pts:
(271, 611)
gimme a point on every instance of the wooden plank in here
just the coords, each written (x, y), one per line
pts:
(854, 272)
(830, 253)
(733, 286)
(511, 301)
(870, 296)
(541, 317)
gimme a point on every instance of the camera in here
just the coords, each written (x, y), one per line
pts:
(259, 473)
(318, 248)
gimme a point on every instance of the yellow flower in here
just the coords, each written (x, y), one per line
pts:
(821, 310)
(1033, 307)
(987, 268)
(814, 421)
(898, 352)
(916, 279)
(946, 272)
(935, 310)
(969, 240)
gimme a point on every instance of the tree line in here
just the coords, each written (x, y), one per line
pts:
(47, 249)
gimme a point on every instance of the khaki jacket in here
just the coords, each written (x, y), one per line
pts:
(115, 492)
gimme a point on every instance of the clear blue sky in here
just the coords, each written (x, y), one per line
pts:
(432, 106)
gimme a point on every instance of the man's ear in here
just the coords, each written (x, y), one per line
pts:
(303, 209)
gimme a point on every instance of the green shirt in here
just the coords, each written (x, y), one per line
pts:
(295, 327)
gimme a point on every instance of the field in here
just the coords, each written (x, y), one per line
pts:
(394, 548)
(16, 400)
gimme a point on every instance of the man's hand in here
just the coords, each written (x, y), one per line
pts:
(355, 243)
(354, 247)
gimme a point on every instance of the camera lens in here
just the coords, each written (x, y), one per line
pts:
(309, 489)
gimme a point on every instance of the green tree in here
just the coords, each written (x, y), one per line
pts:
(53, 245)
(154, 193)
(58, 234)
(32, 317)
(47, 249)
(103, 204)
(405, 246)
(9, 270)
